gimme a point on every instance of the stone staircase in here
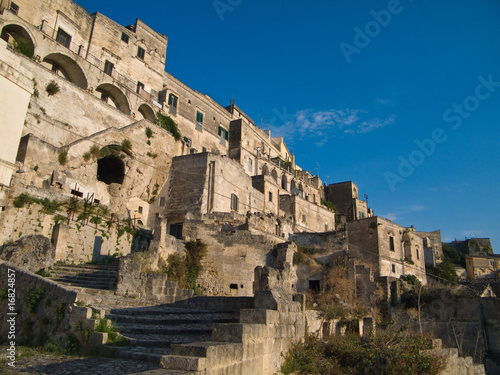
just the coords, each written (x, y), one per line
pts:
(90, 276)
(153, 330)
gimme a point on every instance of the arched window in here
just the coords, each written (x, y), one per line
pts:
(274, 175)
(284, 182)
(265, 170)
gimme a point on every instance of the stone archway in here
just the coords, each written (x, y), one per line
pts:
(147, 112)
(67, 67)
(19, 39)
(117, 97)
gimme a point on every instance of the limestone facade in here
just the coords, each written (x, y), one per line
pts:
(94, 139)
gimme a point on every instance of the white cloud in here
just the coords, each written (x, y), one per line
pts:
(417, 208)
(471, 233)
(325, 124)
(390, 216)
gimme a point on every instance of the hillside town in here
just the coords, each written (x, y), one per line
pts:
(124, 192)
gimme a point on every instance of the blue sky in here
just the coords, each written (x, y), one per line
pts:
(402, 97)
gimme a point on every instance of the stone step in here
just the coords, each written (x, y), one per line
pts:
(85, 277)
(180, 329)
(209, 349)
(86, 285)
(103, 274)
(167, 310)
(85, 267)
(163, 341)
(173, 362)
(173, 319)
(148, 354)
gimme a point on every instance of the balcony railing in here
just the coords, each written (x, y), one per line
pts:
(81, 51)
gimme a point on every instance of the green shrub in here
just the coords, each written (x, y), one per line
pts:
(52, 88)
(63, 157)
(149, 132)
(388, 355)
(410, 279)
(168, 124)
(21, 200)
(126, 145)
(24, 46)
(32, 298)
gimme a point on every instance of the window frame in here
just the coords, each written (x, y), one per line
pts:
(234, 202)
(199, 124)
(125, 37)
(108, 67)
(14, 8)
(140, 86)
(141, 53)
(63, 38)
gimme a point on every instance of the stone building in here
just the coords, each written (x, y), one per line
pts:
(80, 95)
(473, 246)
(345, 197)
(482, 266)
(433, 248)
(390, 249)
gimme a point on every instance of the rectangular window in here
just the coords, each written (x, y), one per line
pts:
(361, 215)
(391, 244)
(199, 120)
(250, 165)
(140, 86)
(140, 53)
(224, 135)
(140, 209)
(203, 149)
(418, 255)
(234, 202)
(393, 268)
(435, 240)
(303, 218)
(162, 202)
(125, 38)
(326, 227)
(108, 67)
(14, 8)
(270, 196)
(172, 104)
(63, 37)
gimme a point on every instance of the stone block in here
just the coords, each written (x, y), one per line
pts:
(174, 362)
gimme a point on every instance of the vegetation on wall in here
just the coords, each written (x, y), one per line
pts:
(329, 205)
(391, 354)
(52, 88)
(23, 46)
(62, 158)
(168, 124)
(186, 269)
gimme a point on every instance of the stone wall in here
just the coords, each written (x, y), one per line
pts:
(42, 308)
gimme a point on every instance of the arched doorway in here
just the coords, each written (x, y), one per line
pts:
(111, 93)
(19, 39)
(66, 67)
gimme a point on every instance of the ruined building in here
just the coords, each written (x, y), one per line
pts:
(91, 119)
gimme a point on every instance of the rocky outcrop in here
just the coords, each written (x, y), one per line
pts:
(32, 253)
